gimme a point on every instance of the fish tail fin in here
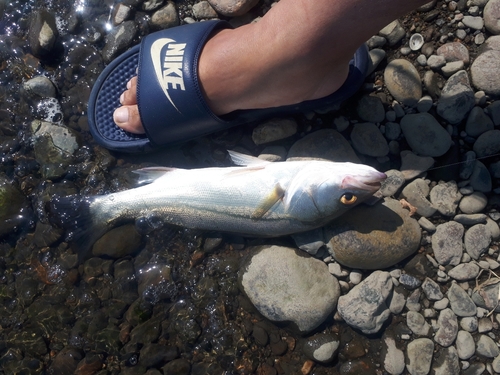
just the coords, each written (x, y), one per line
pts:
(75, 215)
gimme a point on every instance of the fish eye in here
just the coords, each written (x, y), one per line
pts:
(348, 199)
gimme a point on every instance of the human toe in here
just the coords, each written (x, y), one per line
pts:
(127, 118)
(129, 96)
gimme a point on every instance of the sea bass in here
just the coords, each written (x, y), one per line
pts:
(256, 198)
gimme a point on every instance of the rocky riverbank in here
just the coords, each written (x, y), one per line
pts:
(406, 286)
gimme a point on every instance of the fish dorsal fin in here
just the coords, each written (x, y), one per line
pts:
(268, 202)
(149, 174)
(246, 160)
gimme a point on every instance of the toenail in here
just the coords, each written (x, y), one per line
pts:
(122, 98)
(129, 85)
(121, 115)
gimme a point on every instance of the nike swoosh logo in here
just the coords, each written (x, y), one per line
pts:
(156, 57)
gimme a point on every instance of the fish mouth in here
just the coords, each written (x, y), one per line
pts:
(370, 182)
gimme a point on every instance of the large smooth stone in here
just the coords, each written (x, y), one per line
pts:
(403, 82)
(373, 237)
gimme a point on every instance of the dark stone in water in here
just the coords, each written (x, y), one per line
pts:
(42, 33)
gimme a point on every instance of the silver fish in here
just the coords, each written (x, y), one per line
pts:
(261, 199)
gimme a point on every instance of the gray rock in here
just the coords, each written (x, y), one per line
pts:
(478, 122)
(466, 346)
(42, 33)
(393, 357)
(397, 302)
(464, 271)
(480, 179)
(474, 203)
(493, 110)
(41, 87)
(485, 325)
(165, 17)
(392, 130)
(457, 98)
(393, 32)
(274, 130)
(327, 144)
(460, 302)
(373, 244)
(448, 328)
(416, 322)
(121, 13)
(368, 140)
(486, 295)
(454, 51)
(432, 290)
(477, 239)
(475, 23)
(487, 144)
(492, 43)
(118, 242)
(118, 40)
(447, 243)
(273, 153)
(483, 72)
(447, 362)
(285, 285)
(203, 9)
(452, 67)
(233, 8)
(436, 62)
(416, 193)
(433, 83)
(377, 55)
(493, 228)
(424, 104)
(491, 14)
(427, 225)
(403, 82)
(150, 5)
(370, 109)
(413, 165)
(365, 306)
(467, 167)
(419, 354)
(425, 135)
(487, 347)
(322, 347)
(376, 41)
(469, 324)
(391, 185)
(445, 197)
(496, 364)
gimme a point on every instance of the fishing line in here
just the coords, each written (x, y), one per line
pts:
(462, 162)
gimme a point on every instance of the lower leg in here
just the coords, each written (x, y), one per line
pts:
(300, 50)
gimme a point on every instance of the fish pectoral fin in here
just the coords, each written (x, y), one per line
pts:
(243, 170)
(246, 160)
(150, 174)
(268, 202)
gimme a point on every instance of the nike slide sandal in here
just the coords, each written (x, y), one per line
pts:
(171, 105)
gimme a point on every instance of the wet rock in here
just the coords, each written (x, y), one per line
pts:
(447, 243)
(365, 306)
(487, 144)
(480, 180)
(65, 362)
(46, 235)
(483, 72)
(391, 185)
(419, 356)
(464, 271)
(322, 347)
(42, 33)
(121, 13)
(477, 239)
(286, 285)
(118, 40)
(165, 17)
(232, 8)
(12, 201)
(460, 302)
(368, 140)
(370, 109)
(327, 144)
(478, 122)
(150, 5)
(448, 328)
(178, 366)
(40, 87)
(457, 98)
(487, 347)
(54, 147)
(425, 135)
(274, 130)
(491, 14)
(393, 357)
(436, 62)
(365, 244)
(445, 197)
(393, 32)
(416, 193)
(403, 82)
(392, 131)
(413, 165)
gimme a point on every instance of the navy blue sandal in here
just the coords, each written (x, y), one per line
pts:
(171, 104)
